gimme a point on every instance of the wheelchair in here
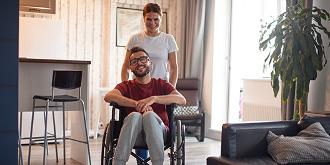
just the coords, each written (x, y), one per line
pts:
(112, 131)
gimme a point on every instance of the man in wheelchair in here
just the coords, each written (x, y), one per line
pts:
(144, 99)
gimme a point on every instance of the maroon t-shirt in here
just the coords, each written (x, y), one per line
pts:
(136, 91)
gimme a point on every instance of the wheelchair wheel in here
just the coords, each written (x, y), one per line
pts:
(180, 143)
(105, 147)
(105, 152)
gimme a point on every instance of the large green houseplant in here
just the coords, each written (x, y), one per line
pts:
(296, 51)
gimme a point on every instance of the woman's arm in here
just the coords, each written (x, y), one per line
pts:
(125, 67)
(173, 68)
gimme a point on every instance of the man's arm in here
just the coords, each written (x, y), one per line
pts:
(116, 96)
(173, 97)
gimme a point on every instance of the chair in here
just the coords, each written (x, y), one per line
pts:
(65, 81)
(112, 132)
(191, 114)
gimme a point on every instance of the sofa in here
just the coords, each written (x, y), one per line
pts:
(246, 144)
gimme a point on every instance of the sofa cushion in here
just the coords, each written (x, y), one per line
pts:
(311, 145)
(308, 120)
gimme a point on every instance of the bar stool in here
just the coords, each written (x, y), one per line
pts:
(20, 154)
(63, 80)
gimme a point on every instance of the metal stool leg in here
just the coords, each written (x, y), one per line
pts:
(86, 131)
(20, 123)
(20, 156)
(20, 151)
(63, 110)
(45, 134)
(20, 160)
(31, 130)
(55, 137)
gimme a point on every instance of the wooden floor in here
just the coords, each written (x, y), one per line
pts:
(196, 153)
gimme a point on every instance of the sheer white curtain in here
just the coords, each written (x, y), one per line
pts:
(236, 40)
(246, 59)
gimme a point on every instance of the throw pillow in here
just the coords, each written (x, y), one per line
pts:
(308, 120)
(185, 110)
(311, 145)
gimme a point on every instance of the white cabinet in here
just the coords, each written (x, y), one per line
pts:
(39, 6)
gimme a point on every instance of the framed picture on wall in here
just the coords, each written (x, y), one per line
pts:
(129, 22)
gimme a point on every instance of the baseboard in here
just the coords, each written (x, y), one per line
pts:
(213, 134)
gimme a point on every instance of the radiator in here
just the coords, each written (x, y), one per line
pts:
(257, 112)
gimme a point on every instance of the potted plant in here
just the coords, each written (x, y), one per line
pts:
(296, 51)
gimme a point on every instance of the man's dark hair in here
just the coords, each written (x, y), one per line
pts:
(152, 7)
(138, 49)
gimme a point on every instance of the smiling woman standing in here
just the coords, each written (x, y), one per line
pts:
(161, 47)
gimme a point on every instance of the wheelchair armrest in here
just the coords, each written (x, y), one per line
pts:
(113, 109)
(171, 106)
(114, 104)
(170, 109)
(122, 112)
(113, 112)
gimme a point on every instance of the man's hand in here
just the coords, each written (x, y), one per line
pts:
(148, 108)
(144, 103)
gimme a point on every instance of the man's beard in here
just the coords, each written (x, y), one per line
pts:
(138, 74)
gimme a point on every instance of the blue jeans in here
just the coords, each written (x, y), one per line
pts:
(142, 153)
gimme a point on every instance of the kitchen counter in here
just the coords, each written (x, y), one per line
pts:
(35, 76)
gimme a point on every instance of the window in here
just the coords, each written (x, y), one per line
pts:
(236, 43)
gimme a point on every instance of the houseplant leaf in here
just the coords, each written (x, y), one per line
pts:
(296, 52)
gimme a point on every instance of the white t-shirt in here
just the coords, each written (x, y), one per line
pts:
(158, 48)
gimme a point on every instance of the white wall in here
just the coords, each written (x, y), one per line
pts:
(41, 38)
(319, 96)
